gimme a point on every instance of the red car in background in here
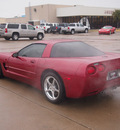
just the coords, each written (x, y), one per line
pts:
(107, 30)
(62, 68)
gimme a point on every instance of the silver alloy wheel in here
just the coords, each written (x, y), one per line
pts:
(15, 37)
(72, 32)
(51, 88)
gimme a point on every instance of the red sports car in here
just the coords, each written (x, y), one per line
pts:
(62, 68)
(107, 30)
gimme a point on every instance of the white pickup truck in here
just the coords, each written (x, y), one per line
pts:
(74, 27)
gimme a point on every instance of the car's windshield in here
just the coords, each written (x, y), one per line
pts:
(42, 24)
(72, 24)
(74, 49)
(2, 26)
(107, 27)
(63, 24)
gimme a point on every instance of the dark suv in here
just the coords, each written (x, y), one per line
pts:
(57, 28)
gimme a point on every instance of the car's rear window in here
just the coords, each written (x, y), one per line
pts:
(2, 26)
(74, 49)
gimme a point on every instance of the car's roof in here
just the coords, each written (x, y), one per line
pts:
(52, 42)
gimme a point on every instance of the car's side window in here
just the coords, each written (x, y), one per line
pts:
(81, 25)
(33, 50)
(30, 27)
(77, 25)
(23, 26)
(13, 26)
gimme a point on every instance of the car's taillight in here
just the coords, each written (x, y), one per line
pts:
(44, 27)
(91, 70)
(95, 69)
(68, 27)
(6, 30)
(101, 67)
(56, 27)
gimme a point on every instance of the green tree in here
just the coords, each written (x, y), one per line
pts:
(116, 17)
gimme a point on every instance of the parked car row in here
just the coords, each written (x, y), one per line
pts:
(63, 28)
(16, 31)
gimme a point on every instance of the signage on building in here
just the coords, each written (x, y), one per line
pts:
(108, 12)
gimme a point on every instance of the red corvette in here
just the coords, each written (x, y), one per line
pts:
(62, 68)
(107, 30)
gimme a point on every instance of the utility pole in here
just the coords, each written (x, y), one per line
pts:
(30, 14)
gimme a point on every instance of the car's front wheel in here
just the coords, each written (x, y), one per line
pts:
(110, 33)
(40, 36)
(1, 73)
(53, 87)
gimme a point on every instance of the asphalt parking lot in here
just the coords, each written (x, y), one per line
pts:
(23, 107)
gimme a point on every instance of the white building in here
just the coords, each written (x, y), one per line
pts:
(97, 16)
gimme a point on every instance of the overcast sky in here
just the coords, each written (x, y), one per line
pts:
(11, 8)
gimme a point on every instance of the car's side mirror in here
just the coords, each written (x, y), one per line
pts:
(15, 55)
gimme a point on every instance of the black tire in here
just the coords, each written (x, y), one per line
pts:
(15, 36)
(7, 38)
(72, 31)
(1, 73)
(31, 38)
(86, 30)
(53, 88)
(60, 31)
(110, 33)
(40, 36)
(49, 31)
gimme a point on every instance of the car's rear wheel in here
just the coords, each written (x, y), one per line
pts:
(49, 30)
(60, 31)
(40, 36)
(15, 36)
(7, 38)
(1, 73)
(53, 87)
(72, 31)
(86, 30)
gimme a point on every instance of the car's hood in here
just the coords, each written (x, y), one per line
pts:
(104, 30)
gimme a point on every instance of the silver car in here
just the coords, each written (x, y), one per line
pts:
(16, 31)
(74, 27)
